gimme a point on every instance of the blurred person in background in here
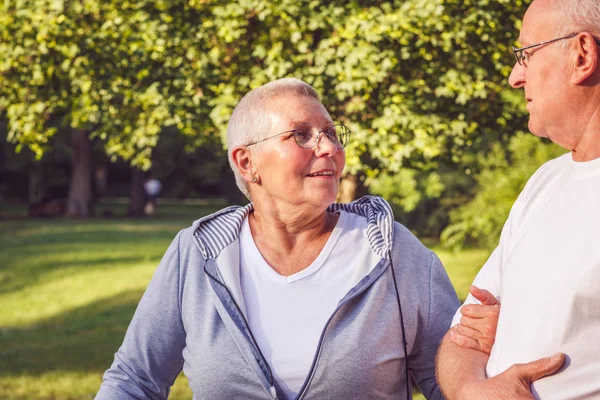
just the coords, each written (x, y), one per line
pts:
(293, 295)
(152, 188)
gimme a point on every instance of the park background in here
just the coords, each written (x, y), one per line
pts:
(96, 94)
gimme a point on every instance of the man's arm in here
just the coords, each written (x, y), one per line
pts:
(461, 374)
(464, 353)
(457, 367)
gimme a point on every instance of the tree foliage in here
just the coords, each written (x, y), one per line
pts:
(421, 83)
(481, 219)
(416, 79)
(123, 70)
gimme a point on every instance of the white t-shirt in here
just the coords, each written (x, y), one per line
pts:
(287, 314)
(546, 272)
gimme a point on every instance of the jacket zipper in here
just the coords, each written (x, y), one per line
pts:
(311, 372)
(274, 390)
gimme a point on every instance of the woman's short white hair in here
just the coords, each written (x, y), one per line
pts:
(249, 121)
(576, 16)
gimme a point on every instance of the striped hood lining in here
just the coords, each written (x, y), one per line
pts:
(216, 231)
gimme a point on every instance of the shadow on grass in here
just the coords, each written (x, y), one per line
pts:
(107, 211)
(87, 232)
(84, 339)
(33, 252)
(13, 280)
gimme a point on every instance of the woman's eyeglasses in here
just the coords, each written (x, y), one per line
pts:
(308, 135)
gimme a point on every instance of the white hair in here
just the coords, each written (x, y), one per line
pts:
(576, 16)
(249, 121)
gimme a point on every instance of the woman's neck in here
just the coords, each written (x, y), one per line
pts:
(290, 242)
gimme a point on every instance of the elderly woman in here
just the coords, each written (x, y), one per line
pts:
(292, 296)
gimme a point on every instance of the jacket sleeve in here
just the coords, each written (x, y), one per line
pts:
(441, 304)
(150, 358)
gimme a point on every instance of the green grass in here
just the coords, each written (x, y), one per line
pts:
(68, 290)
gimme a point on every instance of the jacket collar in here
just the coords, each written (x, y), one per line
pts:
(215, 232)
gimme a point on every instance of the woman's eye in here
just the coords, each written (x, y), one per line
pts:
(332, 134)
(302, 134)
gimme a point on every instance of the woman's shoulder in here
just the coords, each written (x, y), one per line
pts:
(211, 233)
(405, 238)
(226, 219)
(408, 251)
(384, 233)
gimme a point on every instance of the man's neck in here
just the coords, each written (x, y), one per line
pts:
(588, 148)
(587, 118)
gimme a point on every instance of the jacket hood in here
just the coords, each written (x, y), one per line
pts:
(216, 231)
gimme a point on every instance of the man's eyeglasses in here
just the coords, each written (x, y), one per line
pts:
(522, 56)
(308, 135)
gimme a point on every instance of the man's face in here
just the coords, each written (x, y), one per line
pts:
(545, 79)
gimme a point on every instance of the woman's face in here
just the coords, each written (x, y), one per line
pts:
(289, 173)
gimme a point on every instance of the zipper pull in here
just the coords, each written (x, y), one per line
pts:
(273, 392)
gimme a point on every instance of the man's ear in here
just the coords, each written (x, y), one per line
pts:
(586, 63)
(242, 158)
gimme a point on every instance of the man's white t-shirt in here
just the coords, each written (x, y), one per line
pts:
(546, 272)
(287, 314)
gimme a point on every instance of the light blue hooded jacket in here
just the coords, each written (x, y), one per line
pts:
(192, 317)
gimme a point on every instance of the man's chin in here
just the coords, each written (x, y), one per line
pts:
(537, 131)
(540, 135)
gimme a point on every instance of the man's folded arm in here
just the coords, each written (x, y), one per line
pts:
(457, 368)
(461, 374)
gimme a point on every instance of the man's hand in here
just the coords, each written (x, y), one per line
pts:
(515, 382)
(477, 328)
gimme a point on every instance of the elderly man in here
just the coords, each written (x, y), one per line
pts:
(546, 268)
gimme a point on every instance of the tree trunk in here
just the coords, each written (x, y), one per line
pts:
(79, 202)
(351, 188)
(100, 181)
(137, 199)
(35, 185)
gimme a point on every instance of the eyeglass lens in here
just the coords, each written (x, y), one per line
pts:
(306, 136)
(520, 56)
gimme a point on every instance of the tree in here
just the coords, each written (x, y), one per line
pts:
(501, 179)
(117, 72)
(421, 83)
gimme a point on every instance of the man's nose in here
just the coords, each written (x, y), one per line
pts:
(517, 76)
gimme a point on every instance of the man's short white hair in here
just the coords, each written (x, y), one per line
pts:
(576, 16)
(249, 121)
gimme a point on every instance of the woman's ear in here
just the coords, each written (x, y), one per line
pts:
(242, 158)
(586, 63)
